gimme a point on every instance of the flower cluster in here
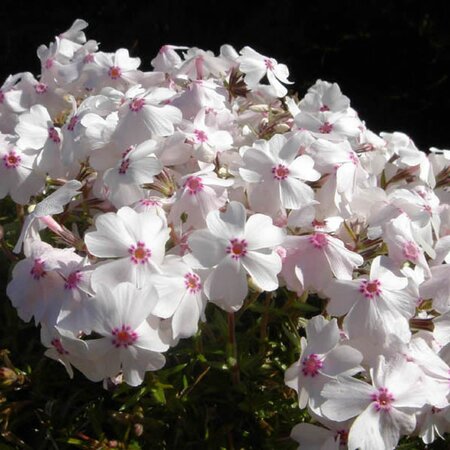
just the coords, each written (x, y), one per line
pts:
(203, 181)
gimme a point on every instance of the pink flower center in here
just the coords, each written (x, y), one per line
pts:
(280, 172)
(311, 365)
(59, 347)
(318, 240)
(382, 399)
(124, 337)
(38, 269)
(370, 289)
(114, 72)
(72, 123)
(192, 282)
(11, 160)
(73, 280)
(53, 135)
(410, 251)
(324, 108)
(137, 104)
(40, 88)
(200, 136)
(269, 64)
(193, 185)
(140, 254)
(237, 248)
(124, 165)
(2, 97)
(326, 128)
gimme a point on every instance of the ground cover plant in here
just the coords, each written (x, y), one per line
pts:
(211, 260)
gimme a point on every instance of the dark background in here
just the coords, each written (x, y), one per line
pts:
(390, 57)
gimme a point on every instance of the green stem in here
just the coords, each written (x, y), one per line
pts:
(232, 350)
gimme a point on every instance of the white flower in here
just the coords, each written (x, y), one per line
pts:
(256, 66)
(375, 306)
(322, 359)
(385, 409)
(234, 247)
(137, 239)
(180, 296)
(275, 175)
(131, 341)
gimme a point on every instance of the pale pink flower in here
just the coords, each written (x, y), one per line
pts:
(168, 60)
(256, 66)
(308, 252)
(207, 140)
(37, 289)
(384, 410)
(275, 175)
(200, 193)
(64, 346)
(333, 126)
(375, 306)
(401, 243)
(146, 115)
(18, 177)
(50, 205)
(136, 239)
(131, 341)
(322, 359)
(324, 96)
(137, 166)
(180, 296)
(233, 248)
(37, 132)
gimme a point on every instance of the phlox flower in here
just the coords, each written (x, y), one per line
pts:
(50, 205)
(130, 341)
(74, 145)
(275, 175)
(145, 115)
(199, 64)
(402, 246)
(37, 132)
(332, 126)
(256, 66)
(233, 247)
(375, 306)
(322, 359)
(37, 289)
(330, 436)
(384, 409)
(116, 69)
(17, 174)
(308, 252)
(180, 296)
(137, 166)
(201, 94)
(207, 139)
(200, 193)
(324, 96)
(167, 60)
(136, 239)
(64, 346)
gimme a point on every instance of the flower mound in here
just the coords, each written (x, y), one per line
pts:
(204, 181)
